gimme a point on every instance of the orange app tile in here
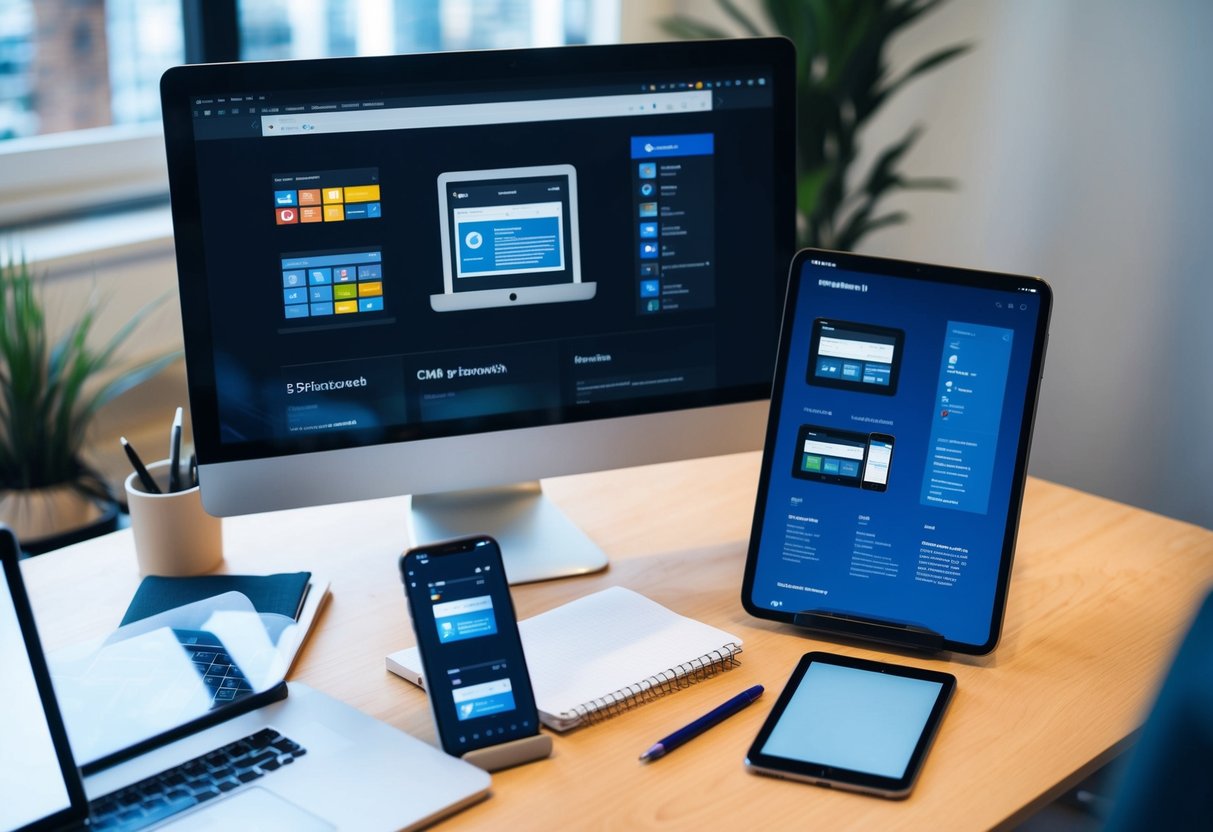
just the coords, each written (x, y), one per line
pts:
(344, 307)
(333, 195)
(286, 216)
(334, 213)
(309, 197)
(312, 214)
(370, 290)
(362, 193)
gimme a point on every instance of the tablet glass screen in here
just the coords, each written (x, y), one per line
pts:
(854, 719)
(894, 464)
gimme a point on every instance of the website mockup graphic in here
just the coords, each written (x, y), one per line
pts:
(381, 268)
(897, 440)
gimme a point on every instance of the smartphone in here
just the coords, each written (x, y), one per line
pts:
(876, 463)
(853, 724)
(471, 655)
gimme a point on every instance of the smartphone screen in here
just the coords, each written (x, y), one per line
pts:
(877, 461)
(471, 655)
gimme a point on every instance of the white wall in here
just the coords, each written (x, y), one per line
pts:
(1080, 132)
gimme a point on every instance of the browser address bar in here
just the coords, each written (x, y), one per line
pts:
(500, 112)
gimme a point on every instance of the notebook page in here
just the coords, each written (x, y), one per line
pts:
(599, 644)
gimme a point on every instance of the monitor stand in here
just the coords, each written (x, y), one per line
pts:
(538, 541)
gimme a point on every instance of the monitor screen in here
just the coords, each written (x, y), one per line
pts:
(387, 252)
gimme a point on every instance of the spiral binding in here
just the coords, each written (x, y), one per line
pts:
(657, 685)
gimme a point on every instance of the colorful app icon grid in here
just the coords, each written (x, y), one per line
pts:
(321, 284)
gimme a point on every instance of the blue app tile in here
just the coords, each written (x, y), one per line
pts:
(294, 277)
(648, 170)
(297, 295)
(650, 288)
(319, 294)
(647, 189)
(355, 211)
(830, 466)
(373, 211)
(285, 199)
(297, 310)
(828, 368)
(848, 468)
(648, 251)
(322, 309)
(648, 230)
(850, 370)
(374, 272)
(319, 277)
(370, 305)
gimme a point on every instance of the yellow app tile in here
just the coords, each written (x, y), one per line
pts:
(370, 290)
(345, 291)
(333, 195)
(334, 213)
(312, 214)
(362, 193)
(344, 307)
(311, 196)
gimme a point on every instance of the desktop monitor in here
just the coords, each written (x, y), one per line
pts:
(451, 275)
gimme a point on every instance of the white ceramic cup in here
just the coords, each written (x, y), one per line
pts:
(174, 536)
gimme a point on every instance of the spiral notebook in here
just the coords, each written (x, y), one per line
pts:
(606, 653)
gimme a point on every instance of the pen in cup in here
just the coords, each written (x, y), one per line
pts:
(174, 454)
(149, 484)
(711, 718)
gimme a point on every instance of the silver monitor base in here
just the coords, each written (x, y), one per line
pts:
(538, 542)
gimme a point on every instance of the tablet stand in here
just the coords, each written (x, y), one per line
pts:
(872, 629)
(512, 753)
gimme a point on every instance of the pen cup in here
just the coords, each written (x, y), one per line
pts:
(174, 536)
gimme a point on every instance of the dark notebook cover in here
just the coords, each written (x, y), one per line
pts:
(282, 593)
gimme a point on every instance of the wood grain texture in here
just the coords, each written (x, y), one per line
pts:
(1100, 594)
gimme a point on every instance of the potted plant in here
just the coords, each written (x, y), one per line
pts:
(50, 389)
(842, 81)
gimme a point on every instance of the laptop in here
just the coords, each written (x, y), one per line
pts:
(305, 762)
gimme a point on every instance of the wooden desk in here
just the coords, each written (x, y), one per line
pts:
(1100, 594)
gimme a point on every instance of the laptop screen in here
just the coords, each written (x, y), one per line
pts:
(36, 778)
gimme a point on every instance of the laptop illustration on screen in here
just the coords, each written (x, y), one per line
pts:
(509, 238)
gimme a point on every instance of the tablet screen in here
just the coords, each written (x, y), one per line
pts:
(843, 717)
(897, 446)
(853, 723)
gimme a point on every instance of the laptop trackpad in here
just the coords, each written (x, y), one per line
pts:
(253, 809)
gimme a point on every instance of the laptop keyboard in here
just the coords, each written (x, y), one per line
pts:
(195, 781)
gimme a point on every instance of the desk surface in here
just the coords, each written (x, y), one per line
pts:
(1100, 594)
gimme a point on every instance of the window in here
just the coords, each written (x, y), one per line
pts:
(79, 79)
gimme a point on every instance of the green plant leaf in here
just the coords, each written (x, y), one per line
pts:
(46, 400)
(741, 19)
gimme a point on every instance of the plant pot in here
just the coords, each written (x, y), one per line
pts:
(46, 518)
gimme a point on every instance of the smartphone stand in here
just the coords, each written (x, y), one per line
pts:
(512, 753)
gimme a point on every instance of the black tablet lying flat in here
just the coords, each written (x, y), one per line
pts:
(897, 450)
